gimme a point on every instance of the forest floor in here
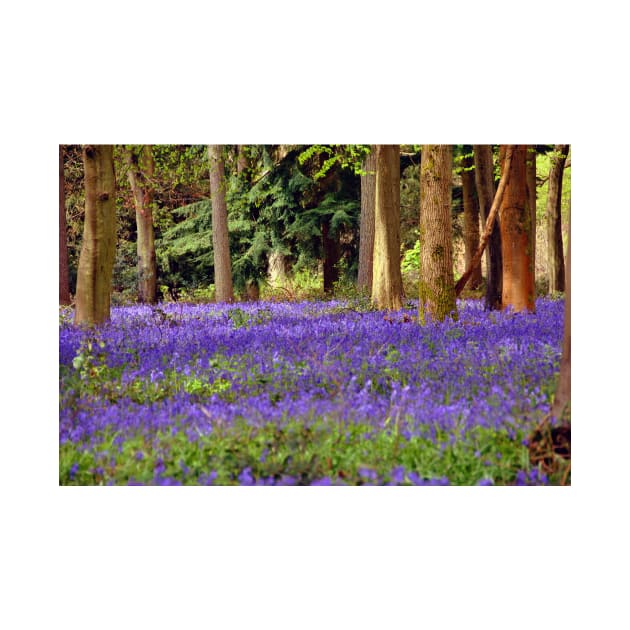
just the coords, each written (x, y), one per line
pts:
(308, 393)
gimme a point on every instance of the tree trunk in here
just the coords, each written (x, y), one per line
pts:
(471, 218)
(489, 225)
(555, 256)
(562, 399)
(96, 262)
(530, 167)
(332, 254)
(140, 171)
(366, 227)
(387, 289)
(64, 273)
(437, 287)
(220, 239)
(241, 161)
(277, 269)
(516, 235)
(484, 179)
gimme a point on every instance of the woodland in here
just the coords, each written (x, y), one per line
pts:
(314, 315)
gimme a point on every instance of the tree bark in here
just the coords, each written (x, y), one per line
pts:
(562, 399)
(436, 286)
(555, 255)
(366, 226)
(241, 161)
(64, 273)
(471, 218)
(516, 234)
(140, 171)
(387, 289)
(96, 262)
(484, 179)
(489, 225)
(530, 168)
(224, 290)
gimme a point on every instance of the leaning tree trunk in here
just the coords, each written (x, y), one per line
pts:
(220, 238)
(516, 235)
(555, 256)
(484, 179)
(64, 274)
(471, 217)
(562, 399)
(140, 172)
(437, 287)
(387, 289)
(96, 262)
(366, 226)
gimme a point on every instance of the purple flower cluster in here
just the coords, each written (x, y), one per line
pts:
(196, 368)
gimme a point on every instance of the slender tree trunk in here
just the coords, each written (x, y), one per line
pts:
(555, 255)
(140, 171)
(516, 235)
(437, 287)
(96, 262)
(64, 274)
(471, 217)
(220, 238)
(366, 227)
(489, 225)
(241, 160)
(332, 254)
(530, 167)
(562, 399)
(484, 179)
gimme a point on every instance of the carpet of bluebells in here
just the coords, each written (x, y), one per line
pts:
(311, 393)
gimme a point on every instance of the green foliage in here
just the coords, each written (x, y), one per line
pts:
(347, 156)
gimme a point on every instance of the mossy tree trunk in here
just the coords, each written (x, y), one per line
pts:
(96, 261)
(471, 216)
(366, 226)
(64, 273)
(555, 254)
(224, 290)
(484, 179)
(140, 172)
(387, 289)
(436, 285)
(517, 235)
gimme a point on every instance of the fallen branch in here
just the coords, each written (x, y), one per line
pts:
(476, 259)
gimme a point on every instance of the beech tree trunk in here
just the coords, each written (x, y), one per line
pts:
(366, 226)
(64, 273)
(562, 399)
(140, 171)
(387, 289)
(516, 235)
(471, 218)
(555, 255)
(484, 178)
(96, 261)
(437, 287)
(220, 239)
